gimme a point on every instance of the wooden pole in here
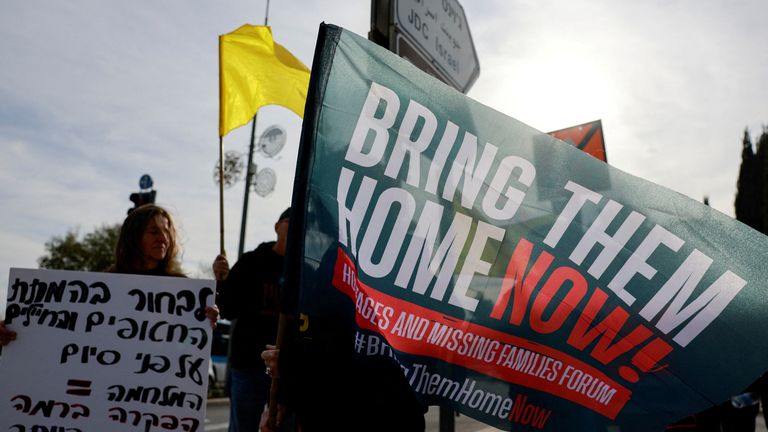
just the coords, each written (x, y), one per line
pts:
(221, 195)
(273, 389)
(281, 322)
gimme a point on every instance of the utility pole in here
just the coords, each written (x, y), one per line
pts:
(249, 170)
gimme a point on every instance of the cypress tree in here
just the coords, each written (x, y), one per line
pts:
(760, 183)
(747, 186)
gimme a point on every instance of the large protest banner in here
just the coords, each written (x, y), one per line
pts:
(513, 277)
(105, 352)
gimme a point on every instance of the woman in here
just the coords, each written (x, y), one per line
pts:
(146, 246)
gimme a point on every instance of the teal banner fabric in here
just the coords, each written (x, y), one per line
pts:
(511, 276)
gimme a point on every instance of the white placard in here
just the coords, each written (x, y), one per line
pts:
(100, 352)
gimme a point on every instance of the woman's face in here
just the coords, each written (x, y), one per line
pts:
(155, 241)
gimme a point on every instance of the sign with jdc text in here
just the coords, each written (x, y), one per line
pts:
(511, 276)
(105, 352)
(440, 31)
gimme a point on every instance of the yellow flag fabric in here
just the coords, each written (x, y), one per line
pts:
(255, 71)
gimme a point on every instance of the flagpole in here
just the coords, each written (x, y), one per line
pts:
(282, 317)
(250, 52)
(221, 195)
(221, 157)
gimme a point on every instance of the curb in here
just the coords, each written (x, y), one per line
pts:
(218, 401)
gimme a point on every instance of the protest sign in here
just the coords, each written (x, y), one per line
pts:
(513, 277)
(105, 352)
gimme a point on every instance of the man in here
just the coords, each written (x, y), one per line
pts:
(250, 294)
(325, 384)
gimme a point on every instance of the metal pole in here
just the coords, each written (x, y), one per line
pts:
(447, 420)
(248, 173)
(248, 178)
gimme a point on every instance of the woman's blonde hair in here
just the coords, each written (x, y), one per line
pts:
(129, 257)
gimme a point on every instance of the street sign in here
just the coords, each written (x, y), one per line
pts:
(587, 137)
(406, 50)
(145, 182)
(440, 32)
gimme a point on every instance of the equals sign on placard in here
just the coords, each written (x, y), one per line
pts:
(78, 387)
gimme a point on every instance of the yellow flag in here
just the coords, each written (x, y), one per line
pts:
(255, 71)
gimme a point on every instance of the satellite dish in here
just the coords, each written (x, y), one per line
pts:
(233, 169)
(272, 140)
(264, 182)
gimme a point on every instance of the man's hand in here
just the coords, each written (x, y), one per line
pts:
(264, 424)
(270, 357)
(220, 267)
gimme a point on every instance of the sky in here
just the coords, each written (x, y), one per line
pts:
(94, 94)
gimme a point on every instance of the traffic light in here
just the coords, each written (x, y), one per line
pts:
(140, 198)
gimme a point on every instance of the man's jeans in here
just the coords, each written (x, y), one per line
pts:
(249, 393)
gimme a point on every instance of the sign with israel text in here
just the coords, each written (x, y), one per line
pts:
(513, 277)
(440, 32)
(105, 352)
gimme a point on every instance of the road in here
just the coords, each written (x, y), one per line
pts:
(217, 420)
(217, 415)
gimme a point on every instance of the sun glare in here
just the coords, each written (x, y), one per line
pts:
(561, 91)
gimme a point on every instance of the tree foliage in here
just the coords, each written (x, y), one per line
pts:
(751, 205)
(94, 252)
(745, 186)
(761, 181)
